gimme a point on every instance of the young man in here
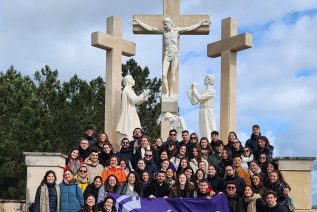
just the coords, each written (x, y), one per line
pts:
(93, 166)
(136, 142)
(214, 139)
(252, 141)
(237, 161)
(271, 203)
(203, 190)
(189, 145)
(236, 203)
(84, 150)
(89, 135)
(172, 139)
(158, 188)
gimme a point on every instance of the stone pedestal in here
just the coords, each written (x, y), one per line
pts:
(38, 163)
(168, 105)
(297, 172)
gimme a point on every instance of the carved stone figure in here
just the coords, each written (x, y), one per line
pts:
(176, 122)
(207, 119)
(170, 41)
(129, 119)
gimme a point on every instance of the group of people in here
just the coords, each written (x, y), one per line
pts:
(191, 168)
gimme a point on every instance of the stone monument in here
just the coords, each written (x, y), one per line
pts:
(115, 46)
(172, 12)
(206, 99)
(129, 119)
(177, 123)
(227, 48)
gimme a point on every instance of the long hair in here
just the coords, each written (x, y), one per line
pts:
(209, 149)
(178, 186)
(107, 139)
(94, 207)
(44, 181)
(180, 169)
(137, 184)
(107, 185)
(70, 153)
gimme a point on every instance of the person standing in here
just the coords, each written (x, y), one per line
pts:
(47, 198)
(71, 195)
(252, 141)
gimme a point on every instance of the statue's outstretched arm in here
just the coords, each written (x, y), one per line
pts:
(193, 27)
(145, 26)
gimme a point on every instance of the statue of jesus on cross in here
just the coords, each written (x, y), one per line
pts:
(170, 40)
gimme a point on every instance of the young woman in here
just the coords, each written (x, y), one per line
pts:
(199, 175)
(126, 166)
(263, 162)
(105, 154)
(73, 161)
(158, 146)
(171, 150)
(257, 185)
(237, 148)
(279, 186)
(90, 204)
(214, 181)
(254, 168)
(194, 138)
(108, 205)
(226, 160)
(182, 188)
(179, 156)
(197, 158)
(102, 139)
(131, 187)
(247, 156)
(47, 198)
(204, 147)
(140, 167)
(93, 188)
(183, 164)
(71, 195)
(231, 137)
(111, 185)
(253, 201)
(170, 177)
(146, 180)
(264, 147)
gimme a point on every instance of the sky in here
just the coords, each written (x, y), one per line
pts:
(276, 78)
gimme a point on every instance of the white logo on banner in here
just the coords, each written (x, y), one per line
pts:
(135, 203)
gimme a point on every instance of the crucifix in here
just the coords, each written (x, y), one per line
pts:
(227, 48)
(171, 25)
(115, 46)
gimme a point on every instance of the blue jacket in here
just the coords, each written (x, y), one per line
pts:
(71, 197)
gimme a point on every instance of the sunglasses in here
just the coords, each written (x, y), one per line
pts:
(246, 150)
(83, 171)
(231, 187)
(148, 155)
(173, 134)
(193, 137)
(235, 142)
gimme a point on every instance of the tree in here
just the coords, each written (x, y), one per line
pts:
(149, 111)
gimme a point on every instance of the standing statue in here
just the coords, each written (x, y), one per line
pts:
(176, 122)
(170, 41)
(207, 119)
(129, 119)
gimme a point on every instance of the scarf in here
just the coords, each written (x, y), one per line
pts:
(74, 165)
(45, 201)
(82, 180)
(252, 202)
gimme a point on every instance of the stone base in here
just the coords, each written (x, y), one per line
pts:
(169, 105)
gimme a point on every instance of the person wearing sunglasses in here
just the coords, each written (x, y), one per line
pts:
(236, 202)
(83, 178)
(150, 165)
(172, 139)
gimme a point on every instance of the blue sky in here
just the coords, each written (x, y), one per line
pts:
(276, 85)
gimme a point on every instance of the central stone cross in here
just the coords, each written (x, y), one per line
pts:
(171, 9)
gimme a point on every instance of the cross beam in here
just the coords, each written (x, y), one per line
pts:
(115, 46)
(227, 48)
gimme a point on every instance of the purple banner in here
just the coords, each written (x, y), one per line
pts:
(126, 203)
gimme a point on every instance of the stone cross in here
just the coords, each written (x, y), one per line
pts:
(227, 48)
(171, 9)
(115, 46)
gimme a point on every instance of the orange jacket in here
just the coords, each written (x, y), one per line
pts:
(116, 171)
(244, 175)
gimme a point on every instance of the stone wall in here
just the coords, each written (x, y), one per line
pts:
(12, 205)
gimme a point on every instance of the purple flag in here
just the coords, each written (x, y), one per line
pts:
(126, 203)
